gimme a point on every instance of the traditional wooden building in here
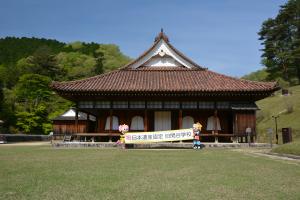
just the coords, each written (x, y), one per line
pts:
(163, 89)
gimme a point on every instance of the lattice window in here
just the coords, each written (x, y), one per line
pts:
(120, 104)
(102, 104)
(189, 105)
(85, 104)
(206, 105)
(223, 105)
(154, 104)
(171, 104)
(137, 104)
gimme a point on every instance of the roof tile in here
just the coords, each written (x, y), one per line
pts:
(163, 80)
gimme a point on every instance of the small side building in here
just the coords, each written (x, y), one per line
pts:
(66, 124)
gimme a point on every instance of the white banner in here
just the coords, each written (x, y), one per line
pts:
(158, 136)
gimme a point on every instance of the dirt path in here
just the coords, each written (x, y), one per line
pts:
(267, 153)
(27, 144)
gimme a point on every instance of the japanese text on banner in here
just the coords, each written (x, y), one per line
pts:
(158, 136)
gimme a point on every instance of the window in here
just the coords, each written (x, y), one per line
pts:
(154, 104)
(206, 105)
(137, 104)
(115, 123)
(189, 105)
(171, 104)
(187, 122)
(85, 104)
(102, 104)
(120, 104)
(223, 105)
(137, 123)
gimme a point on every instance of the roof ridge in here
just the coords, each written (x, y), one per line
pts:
(164, 37)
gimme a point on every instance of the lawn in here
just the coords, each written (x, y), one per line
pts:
(273, 106)
(288, 148)
(40, 172)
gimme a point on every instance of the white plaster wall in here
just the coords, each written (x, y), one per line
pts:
(162, 45)
(162, 62)
(72, 113)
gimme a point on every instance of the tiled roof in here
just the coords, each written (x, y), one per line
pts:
(164, 79)
(181, 79)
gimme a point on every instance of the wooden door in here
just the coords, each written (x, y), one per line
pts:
(243, 121)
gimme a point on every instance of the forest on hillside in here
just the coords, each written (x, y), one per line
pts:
(27, 67)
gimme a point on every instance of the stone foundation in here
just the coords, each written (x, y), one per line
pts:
(155, 145)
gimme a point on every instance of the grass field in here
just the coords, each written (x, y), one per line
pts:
(289, 148)
(40, 172)
(278, 104)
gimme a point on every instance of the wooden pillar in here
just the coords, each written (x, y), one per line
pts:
(110, 125)
(254, 129)
(235, 126)
(180, 121)
(235, 137)
(146, 120)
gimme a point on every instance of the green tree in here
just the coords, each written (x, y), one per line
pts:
(281, 39)
(7, 114)
(259, 75)
(32, 89)
(10, 75)
(34, 122)
(1, 96)
(76, 65)
(13, 49)
(27, 65)
(43, 62)
(99, 62)
(112, 57)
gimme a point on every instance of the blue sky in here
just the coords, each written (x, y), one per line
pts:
(218, 34)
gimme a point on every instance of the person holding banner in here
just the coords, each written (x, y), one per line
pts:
(196, 132)
(123, 129)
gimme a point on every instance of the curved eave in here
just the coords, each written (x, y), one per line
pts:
(255, 95)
